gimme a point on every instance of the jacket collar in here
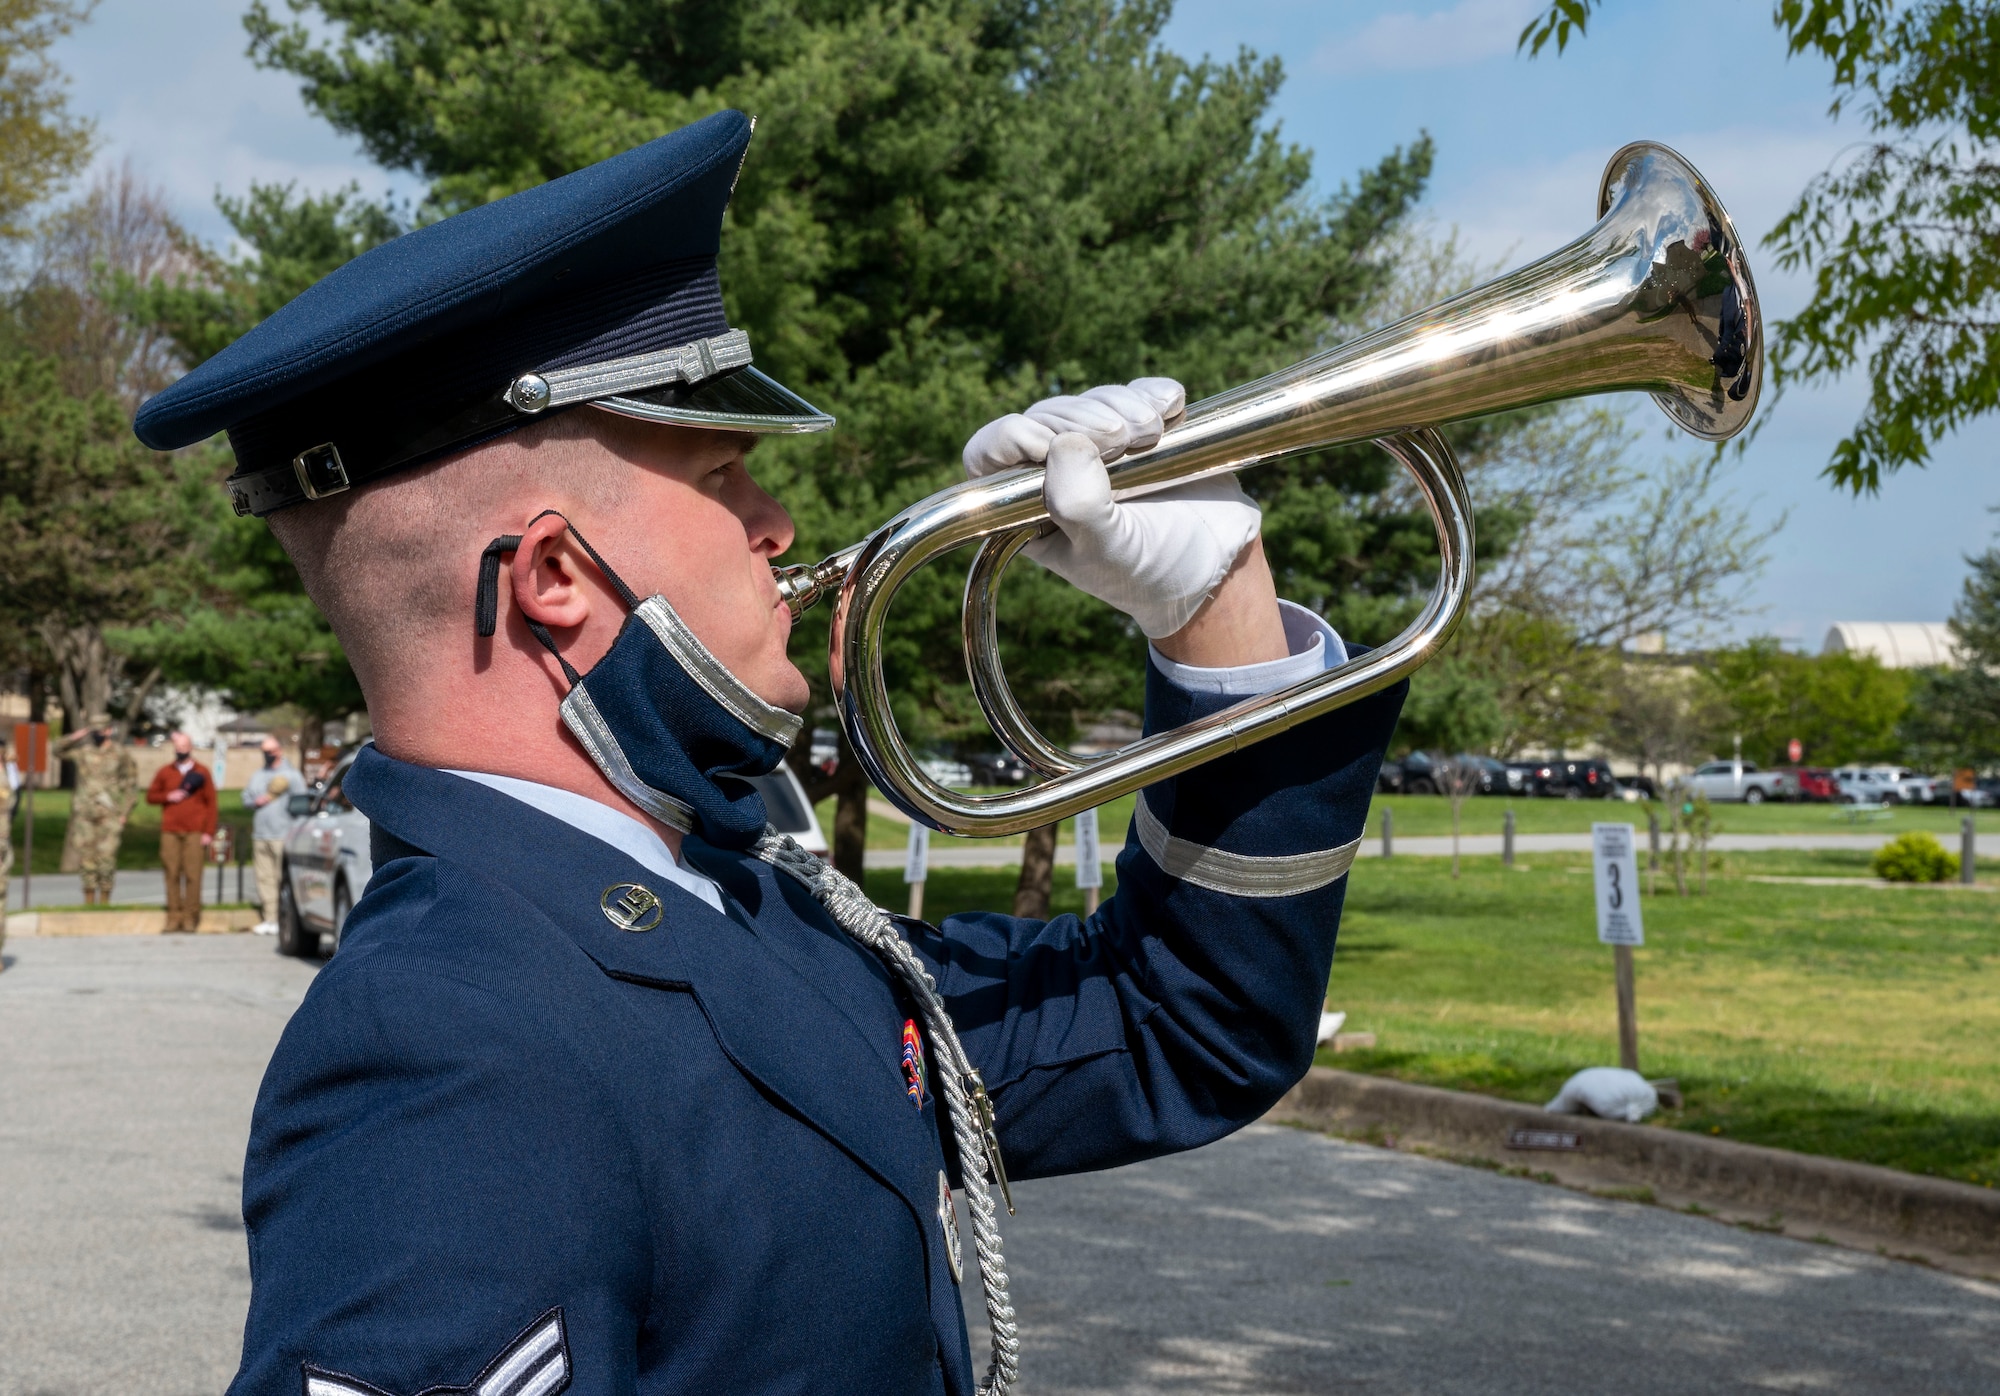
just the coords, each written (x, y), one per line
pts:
(772, 1020)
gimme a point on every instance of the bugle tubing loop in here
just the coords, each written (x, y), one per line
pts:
(1656, 297)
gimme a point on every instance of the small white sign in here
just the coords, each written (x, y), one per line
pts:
(916, 858)
(1614, 852)
(1089, 864)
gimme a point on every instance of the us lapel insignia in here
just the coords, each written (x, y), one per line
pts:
(948, 1223)
(913, 1062)
(631, 907)
(535, 1364)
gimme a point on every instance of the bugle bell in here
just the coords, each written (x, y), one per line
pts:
(1656, 297)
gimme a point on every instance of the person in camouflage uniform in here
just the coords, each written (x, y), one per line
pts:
(107, 786)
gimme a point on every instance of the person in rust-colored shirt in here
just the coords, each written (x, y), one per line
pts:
(186, 790)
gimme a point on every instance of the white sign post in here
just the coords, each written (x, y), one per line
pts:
(1615, 856)
(916, 866)
(1089, 863)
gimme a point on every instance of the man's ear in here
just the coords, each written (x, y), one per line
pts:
(544, 575)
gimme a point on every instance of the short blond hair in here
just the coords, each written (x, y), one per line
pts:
(392, 561)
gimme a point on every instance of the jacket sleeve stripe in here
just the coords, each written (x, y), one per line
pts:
(1238, 874)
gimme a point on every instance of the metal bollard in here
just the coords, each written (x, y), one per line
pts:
(1388, 832)
(1968, 850)
(1507, 840)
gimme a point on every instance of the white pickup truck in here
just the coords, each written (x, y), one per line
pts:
(1741, 780)
(1887, 785)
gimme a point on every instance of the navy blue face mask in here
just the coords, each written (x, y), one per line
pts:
(660, 716)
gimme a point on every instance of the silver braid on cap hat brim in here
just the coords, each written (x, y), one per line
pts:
(963, 1091)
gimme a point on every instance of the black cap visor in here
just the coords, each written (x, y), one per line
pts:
(742, 399)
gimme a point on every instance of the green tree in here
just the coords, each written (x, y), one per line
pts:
(951, 208)
(1954, 717)
(253, 635)
(42, 145)
(1841, 707)
(1903, 236)
(95, 530)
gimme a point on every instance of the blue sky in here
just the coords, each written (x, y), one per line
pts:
(1520, 146)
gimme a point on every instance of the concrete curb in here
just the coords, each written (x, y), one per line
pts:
(1951, 1224)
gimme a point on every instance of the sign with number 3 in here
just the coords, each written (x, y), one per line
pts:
(1613, 850)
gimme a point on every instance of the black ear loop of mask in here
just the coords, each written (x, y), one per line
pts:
(486, 601)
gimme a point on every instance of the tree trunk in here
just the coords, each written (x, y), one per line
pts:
(850, 816)
(38, 696)
(135, 702)
(84, 667)
(312, 733)
(1038, 867)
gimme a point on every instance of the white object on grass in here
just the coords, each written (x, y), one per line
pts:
(1329, 1024)
(1609, 1092)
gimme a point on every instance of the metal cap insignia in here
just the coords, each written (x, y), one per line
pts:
(631, 907)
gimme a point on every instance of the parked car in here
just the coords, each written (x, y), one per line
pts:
(1740, 780)
(325, 867)
(1493, 777)
(1418, 775)
(1530, 773)
(825, 750)
(947, 771)
(997, 768)
(1883, 785)
(327, 863)
(1640, 785)
(1587, 779)
(1814, 783)
(790, 812)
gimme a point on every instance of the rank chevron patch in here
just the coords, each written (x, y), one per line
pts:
(535, 1364)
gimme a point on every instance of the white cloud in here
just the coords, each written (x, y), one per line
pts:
(1471, 31)
(1520, 213)
(173, 91)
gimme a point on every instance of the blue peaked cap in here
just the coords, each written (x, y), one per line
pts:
(599, 287)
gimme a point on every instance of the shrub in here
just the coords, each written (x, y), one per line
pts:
(1914, 858)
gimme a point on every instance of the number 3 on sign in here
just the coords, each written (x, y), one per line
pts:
(1614, 854)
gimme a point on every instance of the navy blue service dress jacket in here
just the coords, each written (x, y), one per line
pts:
(505, 1145)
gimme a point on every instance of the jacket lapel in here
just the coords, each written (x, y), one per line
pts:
(775, 1023)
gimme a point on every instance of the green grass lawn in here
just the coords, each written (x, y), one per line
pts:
(1423, 815)
(1858, 1022)
(1483, 814)
(140, 846)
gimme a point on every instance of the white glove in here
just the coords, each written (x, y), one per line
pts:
(1156, 558)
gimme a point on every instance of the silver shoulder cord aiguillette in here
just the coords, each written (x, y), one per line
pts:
(965, 1097)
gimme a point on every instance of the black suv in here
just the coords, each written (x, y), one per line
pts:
(1575, 780)
(997, 768)
(1419, 773)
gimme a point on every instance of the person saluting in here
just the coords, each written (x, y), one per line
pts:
(609, 1089)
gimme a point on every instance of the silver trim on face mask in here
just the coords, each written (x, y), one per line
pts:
(773, 724)
(588, 726)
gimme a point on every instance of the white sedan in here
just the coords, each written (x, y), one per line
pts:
(327, 863)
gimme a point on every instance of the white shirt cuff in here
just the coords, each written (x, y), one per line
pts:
(1315, 647)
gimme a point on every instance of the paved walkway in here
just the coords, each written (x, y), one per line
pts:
(135, 887)
(1275, 1261)
(1280, 1261)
